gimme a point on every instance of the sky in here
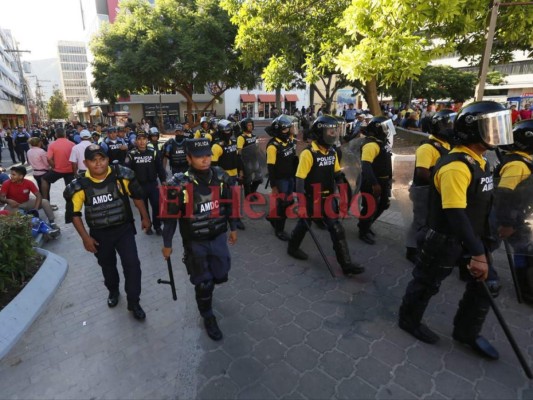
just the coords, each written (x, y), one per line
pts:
(39, 24)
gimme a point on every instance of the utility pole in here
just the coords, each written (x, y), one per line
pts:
(39, 96)
(22, 81)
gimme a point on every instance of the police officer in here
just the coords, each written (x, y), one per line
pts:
(513, 200)
(187, 129)
(153, 143)
(115, 147)
(224, 155)
(204, 130)
(103, 192)
(247, 138)
(281, 164)
(147, 165)
(427, 155)
(376, 163)
(174, 152)
(316, 177)
(203, 232)
(458, 220)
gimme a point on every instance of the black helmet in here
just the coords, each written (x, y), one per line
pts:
(485, 122)
(213, 123)
(225, 128)
(245, 122)
(279, 125)
(441, 124)
(324, 130)
(153, 131)
(378, 128)
(523, 136)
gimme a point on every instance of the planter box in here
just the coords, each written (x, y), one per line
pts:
(20, 313)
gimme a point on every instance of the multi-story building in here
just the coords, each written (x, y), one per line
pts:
(73, 63)
(12, 90)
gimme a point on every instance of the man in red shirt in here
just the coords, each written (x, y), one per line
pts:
(15, 192)
(58, 158)
(525, 113)
(515, 114)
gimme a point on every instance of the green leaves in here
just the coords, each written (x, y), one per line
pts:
(57, 106)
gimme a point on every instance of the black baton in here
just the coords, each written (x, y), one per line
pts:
(319, 247)
(513, 271)
(507, 332)
(170, 281)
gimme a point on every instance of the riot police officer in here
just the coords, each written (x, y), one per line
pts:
(147, 165)
(203, 230)
(115, 147)
(513, 200)
(317, 175)
(204, 130)
(281, 164)
(174, 152)
(103, 193)
(376, 163)
(224, 155)
(251, 179)
(459, 205)
(427, 155)
(153, 140)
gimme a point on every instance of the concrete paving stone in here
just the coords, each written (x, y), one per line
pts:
(265, 286)
(214, 363)
(261, 250)
(316, 385)
(228, 307)
(225, 292)
(280, 378)
(288, 290)
(488, 389)
(336, 364)
(354, 346)
(259, 330)
(256, 392)
(321, 340)
(297, 304)
(511, 375)
(435, 396)
(527, 393)
(269, 351)
(302, 357)
(229, 325)
(254, 311)
(280, 316)
(417, 381)
(238, 345)
(322, 308)
(290, 334)
(272, 301)
(464, 364)
(454, 386)
(373, 371)
(308, 320)
(393, 392)
(355, 388)
(427, 357)
(219, 388)
(336, 296)
(312, 294)
(245, 371)
(247, 296)
(387, 352)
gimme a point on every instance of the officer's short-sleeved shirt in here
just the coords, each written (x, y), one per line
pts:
(306, 160)
(369, 152)
(427, 155)
(240, 140)
(79, 197)
(198, 135)
(453, 179)
(514, 172)
(217, 152)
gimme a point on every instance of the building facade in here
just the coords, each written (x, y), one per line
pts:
(73, 63)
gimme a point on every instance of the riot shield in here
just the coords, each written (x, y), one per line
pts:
(350, 162)
(254, 163)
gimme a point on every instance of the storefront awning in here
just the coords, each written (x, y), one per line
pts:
(291, 97)
(247, 98)
(267, 98)
(96, 111)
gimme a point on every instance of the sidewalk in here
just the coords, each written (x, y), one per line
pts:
(290, 330)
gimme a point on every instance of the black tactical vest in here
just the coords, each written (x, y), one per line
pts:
(322, 172)
(114, 152)
(442, 151)
(209, 215)
(248, 140)
(144, 165)
(478, 197)
(382, 165)
(228, 160)
(523, 192)
(285, 158)
(104, 205)
(178, 156)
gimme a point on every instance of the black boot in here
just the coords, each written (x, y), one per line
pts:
(212, 329)
(297, 236)
(138, 312)
(523, 275)
(343, 257)
(112, 299)
(410, 321)
(280, 230)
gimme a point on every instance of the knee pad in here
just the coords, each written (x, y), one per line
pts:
(205, 288)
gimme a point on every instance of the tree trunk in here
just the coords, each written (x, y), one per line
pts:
(278, 99)
(371, 97)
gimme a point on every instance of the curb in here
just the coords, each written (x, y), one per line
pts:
(20, 313)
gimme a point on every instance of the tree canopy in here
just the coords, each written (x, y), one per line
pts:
(57, 106)
(174, 45)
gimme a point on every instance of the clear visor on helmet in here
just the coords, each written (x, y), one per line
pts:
(389, 130)
(496, 129)
(330, 133)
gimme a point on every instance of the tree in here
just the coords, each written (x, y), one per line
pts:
(437, 83)
(57, 106)
(176, 45)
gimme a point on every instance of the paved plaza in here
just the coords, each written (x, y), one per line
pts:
(290, 330)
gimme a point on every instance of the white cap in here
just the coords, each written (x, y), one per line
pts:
(85, 134)
(154, 130)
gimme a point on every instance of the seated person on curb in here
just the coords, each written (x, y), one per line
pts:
(15, 193)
